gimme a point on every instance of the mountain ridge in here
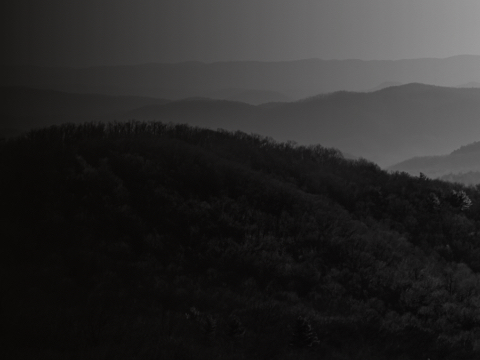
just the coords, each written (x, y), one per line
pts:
(296, 79)
(462, 165)
(385, 126)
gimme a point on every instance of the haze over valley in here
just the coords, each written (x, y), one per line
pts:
(385, 126)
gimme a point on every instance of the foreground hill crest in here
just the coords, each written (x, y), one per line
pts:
(155, 240)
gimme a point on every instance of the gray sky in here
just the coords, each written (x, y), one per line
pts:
(107, 32)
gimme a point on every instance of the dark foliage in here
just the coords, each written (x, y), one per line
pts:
(303, 334)
(235, 328)
(148, 240)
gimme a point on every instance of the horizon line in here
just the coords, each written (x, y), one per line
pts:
(235, 61)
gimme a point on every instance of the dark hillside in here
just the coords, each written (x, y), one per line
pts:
(153, 241)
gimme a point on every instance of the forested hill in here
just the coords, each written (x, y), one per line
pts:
(154, 241)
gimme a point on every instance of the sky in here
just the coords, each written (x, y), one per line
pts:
(81, 33)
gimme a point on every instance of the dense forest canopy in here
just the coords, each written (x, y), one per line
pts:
(152, 240)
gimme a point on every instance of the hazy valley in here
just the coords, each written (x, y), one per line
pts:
(386, 126)
(461, 165)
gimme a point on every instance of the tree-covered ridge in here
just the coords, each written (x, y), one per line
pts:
(154, 240)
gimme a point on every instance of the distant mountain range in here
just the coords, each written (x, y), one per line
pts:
(471, 84)
(385, 126)
(289, 79)
(384, 85)
(461, 165)
(253, 97)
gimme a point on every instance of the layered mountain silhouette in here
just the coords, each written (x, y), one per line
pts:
(384, 85)
(294, 79)
(253, 97)
(386, 126)
(461, 165)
